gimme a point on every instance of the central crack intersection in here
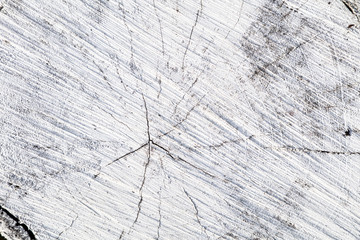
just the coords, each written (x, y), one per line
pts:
(149, 144)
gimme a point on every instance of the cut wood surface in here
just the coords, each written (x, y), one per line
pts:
(174, 119)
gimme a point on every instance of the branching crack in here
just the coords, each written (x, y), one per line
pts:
(150, 142)
(198, 13)
(70, 226)
(196, 213)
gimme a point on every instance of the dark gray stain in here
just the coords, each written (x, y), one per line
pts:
(18, 224)
(281, 47)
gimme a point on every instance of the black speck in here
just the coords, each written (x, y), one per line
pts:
(13, 185)
(351, 25)
(347, 132)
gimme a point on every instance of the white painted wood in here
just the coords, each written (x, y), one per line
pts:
(159, 119)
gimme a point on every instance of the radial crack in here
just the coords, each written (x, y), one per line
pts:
(226, 142)
(119, 158)
(147, 162)
(103, 73)
(146, 165)
(122, 234)
(147, 120)
(198, 13)
(221, 144)
(196, 213)
(122, 8)
(308, 150)
(242, 3)
(70, 226)
(182, 160)
(160, 217)
(120, 78)
(161, 32)
(188, 90)
(160, 87)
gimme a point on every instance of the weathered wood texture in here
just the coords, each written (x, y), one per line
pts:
(159, 119)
